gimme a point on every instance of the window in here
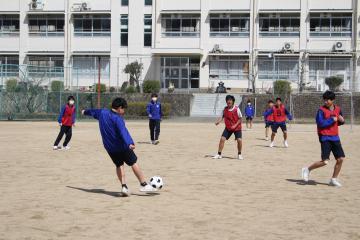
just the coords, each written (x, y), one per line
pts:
(124, 2)
(9, 66)
(233, 25)
(333, 25)
(229, 68)
(183, 72)
(46, 25)
(86, 69)
(183, 25)
(9, 25)
(92, 25)
(52, 66)
(124, 30)
(147, 30)
(278, 68)
(148, 2)
(276, 25)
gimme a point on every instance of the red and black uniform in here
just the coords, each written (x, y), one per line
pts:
(328, 131)
(279, 114)
(67, 120)
(269, 120)
(231, 117)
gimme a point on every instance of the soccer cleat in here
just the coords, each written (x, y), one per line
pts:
(240, 157)
(271, 144)
(67, 147)
(125, 191)
(334, 182)
(148, 188)
(305, 174)
(217, 156)
(286, 144)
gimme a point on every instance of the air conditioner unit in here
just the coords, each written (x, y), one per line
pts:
(288, 47)
(224, 15)
(83, 6)
(36, 5)
(339, 47)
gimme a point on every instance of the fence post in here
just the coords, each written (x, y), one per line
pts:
(352, 111)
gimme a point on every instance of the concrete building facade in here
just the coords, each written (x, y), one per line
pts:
(191, 44)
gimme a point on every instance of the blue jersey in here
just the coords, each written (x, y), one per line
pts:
(114, 133)
(249, 111)
(154, 110)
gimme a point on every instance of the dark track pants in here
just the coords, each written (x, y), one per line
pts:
(154, 126)
(67, 130)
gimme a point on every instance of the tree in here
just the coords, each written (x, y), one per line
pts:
(151, 86)
(334, 82)
(134, 69)
(57, 86)
(282, 87)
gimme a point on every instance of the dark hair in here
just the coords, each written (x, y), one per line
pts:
(278, 99)
(70, 98)
(119, 102)
(329, 95)
(230, 97)
(270, 101)
(248, 101)
(154, 95)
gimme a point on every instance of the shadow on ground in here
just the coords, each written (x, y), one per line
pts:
(112, 194)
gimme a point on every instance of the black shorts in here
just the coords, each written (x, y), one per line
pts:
(119, 158)
(249, 118)
(227, 134)
(268, 124)
(331, 146)
(275, 126)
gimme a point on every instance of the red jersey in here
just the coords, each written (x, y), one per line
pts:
(332, 130)
(231, 117)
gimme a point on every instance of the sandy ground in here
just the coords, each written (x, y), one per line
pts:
(74, 194)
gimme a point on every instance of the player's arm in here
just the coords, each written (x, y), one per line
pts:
(62, 111)
(95, 113)
(124, 133)
(220, 119)
(288, 114)
(148, 110)
(321, 121)
(341, 120)
(268, 112)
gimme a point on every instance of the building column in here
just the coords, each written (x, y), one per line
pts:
(355, 86)
(204, 80)
(253, 68)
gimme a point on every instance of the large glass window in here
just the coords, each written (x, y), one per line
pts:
(186, 25)
(124, 2)
(229, 68)
(279, 25)
(148, 2)
(331, 24)
(46, 25)
(85, 69)
(9, 66)
(232, 25)
(124, 30)
(278, 68)
(46, 66)
(182, 72)
(322, 67)
(147, 30)
(92, 25)
(9, 25)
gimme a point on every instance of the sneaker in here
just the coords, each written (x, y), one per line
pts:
(305, 174)
(266, 138)
(217, 156)
(67, 147)
(334, 182)
(156, 142)
(271, 144)
(125, 191)
(56, 148)
(286, 144)
(148, 188)
(240, 157)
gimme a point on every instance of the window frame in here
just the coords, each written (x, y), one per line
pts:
(243, 31)
(276, 29)
(330, 31)
(165, 18)
(91, 32)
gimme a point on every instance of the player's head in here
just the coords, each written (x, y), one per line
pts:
(71, 100)
(278, 101)
(270, 103)
(329, 98)
(249, 102)
(119, 105)
(230, 100)
(154, 97)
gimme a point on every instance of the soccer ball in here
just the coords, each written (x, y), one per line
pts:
(156, 182)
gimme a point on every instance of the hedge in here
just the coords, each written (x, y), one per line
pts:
(138, 109)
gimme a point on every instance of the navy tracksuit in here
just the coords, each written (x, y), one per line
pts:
(154, 112)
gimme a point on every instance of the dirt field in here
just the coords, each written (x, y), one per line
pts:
(74, 194)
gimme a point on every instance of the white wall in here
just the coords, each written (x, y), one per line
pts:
(277, 43)
(330, 4)
(229, 4)
(11, 6)
(9, 43)
(179, 5)
(90, 44)
(229, 44)
(279, 4)
(95, 5)
(41, 44)
(327, 44)
(58, 5)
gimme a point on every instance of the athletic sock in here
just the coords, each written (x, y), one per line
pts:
(124, 185)
(239, 153)
(143, 184)
(219, 153)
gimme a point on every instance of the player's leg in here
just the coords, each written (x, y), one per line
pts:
(68, 135)
(59, 137)
(274, 129)
(339, 156)
(251, 123)
(238, 138)
(325, 157)
(152, 130)
(120, 172)
(267, 132)
(247, 122)
(157, 130)
(117, 159)
(284, 130)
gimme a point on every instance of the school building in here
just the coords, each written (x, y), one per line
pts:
(192, 44)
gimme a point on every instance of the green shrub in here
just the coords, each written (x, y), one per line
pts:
(57, 86)
(102, 87)
(11, 85)
(112, 89)
(139, 109)
(124, 87)
(130, 89)
(151, 86)
(282, 87)
(334, 82)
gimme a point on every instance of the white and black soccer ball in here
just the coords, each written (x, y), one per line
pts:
(156, 182)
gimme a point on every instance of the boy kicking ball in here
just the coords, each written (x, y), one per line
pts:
(328, 119)
(118, 142)
(232, 118)
(279, 113)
